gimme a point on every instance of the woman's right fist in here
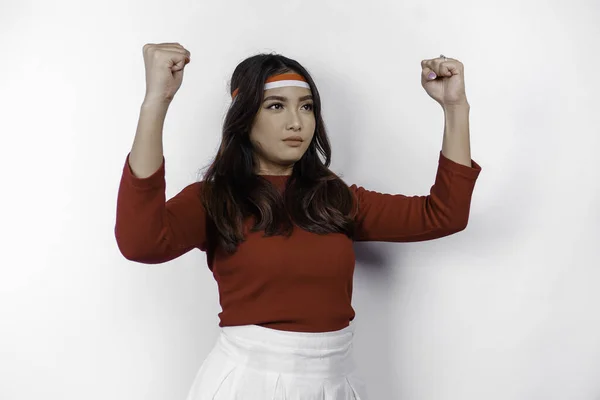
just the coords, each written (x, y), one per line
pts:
(164, 64)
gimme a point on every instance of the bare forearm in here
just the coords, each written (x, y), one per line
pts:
(147, 150)
(457, 143)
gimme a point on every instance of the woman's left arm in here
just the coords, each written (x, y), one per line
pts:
(445, 211)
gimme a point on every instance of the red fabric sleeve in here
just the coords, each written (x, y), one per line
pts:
(399, 218)
(152, 231)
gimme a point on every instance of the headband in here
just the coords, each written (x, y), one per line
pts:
(282, 80)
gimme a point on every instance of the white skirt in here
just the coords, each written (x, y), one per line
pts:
(251, 362)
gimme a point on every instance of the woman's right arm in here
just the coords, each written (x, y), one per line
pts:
(149, 229)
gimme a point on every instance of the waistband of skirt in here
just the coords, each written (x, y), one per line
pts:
(308, 353)
(307, 340)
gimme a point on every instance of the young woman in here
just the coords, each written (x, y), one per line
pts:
(278, 226)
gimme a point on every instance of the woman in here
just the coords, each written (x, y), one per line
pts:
(277, 225)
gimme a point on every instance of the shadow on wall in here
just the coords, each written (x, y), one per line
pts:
(376, 280)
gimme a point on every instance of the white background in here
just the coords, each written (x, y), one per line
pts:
(505, 310)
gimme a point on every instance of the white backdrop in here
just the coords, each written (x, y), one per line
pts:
(505, 310)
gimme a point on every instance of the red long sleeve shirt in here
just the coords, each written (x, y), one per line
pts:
(299, 283)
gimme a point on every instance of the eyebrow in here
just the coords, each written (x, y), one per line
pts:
(284, 99)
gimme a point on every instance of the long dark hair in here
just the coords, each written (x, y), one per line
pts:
(315, 198)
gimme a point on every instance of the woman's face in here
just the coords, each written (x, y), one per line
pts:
(285, 112)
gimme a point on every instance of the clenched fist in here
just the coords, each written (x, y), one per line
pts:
(164, 64)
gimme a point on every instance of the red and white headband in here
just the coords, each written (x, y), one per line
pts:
(282, 80)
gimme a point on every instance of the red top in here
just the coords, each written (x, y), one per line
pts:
(302, 283)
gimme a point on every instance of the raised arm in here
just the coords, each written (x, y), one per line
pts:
(149, 229)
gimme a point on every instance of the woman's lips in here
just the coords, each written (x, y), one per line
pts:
(293, 142)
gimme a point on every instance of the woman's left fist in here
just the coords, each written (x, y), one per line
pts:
(447, 87)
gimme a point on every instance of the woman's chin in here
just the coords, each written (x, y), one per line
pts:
(288, 160)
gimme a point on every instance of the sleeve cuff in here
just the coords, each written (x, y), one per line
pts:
(460, 169)
(154, 181)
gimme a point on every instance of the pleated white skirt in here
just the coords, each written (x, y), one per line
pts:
(251, 362)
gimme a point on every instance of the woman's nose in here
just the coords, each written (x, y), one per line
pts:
(294, 121)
